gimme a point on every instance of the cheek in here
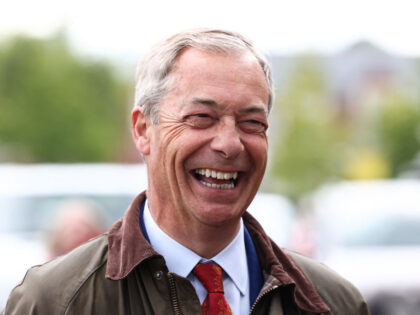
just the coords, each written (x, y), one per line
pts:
(258, 150)
(168, 142)
(177, 143)
(187, 141)
(170, 134)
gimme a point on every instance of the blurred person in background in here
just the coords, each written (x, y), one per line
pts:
(187, 244)
(77, 222)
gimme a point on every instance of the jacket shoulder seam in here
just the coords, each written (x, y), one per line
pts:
(79, 287)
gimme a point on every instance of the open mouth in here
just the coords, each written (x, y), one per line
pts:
(216, 179)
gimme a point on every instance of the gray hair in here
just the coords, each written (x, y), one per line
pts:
(154, 79)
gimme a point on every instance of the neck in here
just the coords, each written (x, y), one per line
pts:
(203, 239)
(207, 242)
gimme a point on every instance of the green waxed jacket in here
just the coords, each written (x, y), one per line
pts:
(120, 273)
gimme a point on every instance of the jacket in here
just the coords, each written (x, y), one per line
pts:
(120, 273)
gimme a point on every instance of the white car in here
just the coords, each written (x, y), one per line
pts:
(31, 195)
(369, 232)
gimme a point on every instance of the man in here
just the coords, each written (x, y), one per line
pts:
(187, 246)
(77, 221)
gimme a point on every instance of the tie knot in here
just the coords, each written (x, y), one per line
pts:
(210, 275)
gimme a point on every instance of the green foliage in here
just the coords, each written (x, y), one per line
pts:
(305, 153)
(312, 144)
(55, 106)
(398, 125)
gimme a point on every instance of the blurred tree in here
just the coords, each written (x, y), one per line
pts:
(312, 143)
(398, 127)
(55, 106)
(306, 148)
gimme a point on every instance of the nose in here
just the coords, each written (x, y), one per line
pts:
(227, 141)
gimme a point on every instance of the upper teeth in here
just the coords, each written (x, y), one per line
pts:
(216, 174)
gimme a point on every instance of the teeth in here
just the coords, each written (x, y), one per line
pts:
(223, 186)
(216, 174)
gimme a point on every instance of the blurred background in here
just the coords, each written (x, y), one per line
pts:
(344, 166)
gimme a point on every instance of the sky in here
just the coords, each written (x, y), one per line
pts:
(126, 28)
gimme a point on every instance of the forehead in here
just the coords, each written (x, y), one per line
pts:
(230, 76)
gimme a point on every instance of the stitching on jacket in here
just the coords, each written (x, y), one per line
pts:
(82, 281)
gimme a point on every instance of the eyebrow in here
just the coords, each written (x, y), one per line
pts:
(204, 101)
(254, 109)
(213, 104)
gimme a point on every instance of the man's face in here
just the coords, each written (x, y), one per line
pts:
(207, 155)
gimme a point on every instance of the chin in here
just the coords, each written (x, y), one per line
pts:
(219, 215)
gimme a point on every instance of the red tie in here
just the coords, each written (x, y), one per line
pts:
(210, 275)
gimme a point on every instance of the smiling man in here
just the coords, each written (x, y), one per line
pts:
(207, 154)
(187, 244)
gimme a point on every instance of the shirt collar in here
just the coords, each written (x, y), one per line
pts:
(170, 249)
(233, 261)
(232, 258)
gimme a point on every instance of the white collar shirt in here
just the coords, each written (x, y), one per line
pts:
(181, 260)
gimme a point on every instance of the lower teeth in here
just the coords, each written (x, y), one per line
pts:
(222, 186)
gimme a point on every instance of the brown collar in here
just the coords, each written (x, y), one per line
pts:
(279, 264)
(127, 248)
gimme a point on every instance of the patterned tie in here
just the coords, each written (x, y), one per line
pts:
(210, 275)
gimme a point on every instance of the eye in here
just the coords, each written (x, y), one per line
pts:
(253, 126)
(200, 121)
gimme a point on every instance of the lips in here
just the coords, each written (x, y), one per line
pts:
(216, 179)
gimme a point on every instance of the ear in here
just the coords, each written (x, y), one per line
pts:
(140, 125)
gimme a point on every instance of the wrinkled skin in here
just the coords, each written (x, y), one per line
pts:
(214, 118)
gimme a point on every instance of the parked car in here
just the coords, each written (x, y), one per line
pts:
(31, 197)
(369, 232)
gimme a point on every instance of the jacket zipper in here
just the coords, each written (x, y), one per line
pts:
(174, 296)
(261, 296)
